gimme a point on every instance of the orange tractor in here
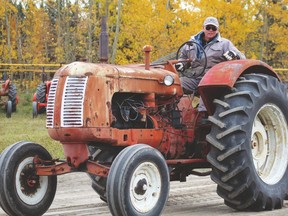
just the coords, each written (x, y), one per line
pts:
(8, 97)
(39, 100)
(133, 131)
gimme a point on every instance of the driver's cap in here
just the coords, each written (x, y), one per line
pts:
(211, 21)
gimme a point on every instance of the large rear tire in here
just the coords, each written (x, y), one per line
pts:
(12, 95)
(249, 144)
(138, 182)
(22, 192)
(41, 97)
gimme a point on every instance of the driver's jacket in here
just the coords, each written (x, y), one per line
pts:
(214, 51)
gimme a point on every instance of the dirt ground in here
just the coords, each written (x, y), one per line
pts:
(197, 196)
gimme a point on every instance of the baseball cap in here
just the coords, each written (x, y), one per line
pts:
(211, 21)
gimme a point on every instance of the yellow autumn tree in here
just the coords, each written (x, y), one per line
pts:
(276, 22)
(160, 23)
(42, 31)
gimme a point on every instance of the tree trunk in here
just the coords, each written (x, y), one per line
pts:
(114, 48)
(90, 33)
(8, 37)
(19, 46)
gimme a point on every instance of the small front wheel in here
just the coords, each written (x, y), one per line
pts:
(138, 182)
(22, 192)
(34, 109)
(9, 109)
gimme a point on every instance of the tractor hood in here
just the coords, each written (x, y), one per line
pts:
(78, 69)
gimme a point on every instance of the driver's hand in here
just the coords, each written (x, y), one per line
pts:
(179, 66)
(231, 55)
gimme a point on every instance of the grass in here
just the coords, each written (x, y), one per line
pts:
(23, 127)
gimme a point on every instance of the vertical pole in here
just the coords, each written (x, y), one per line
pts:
(103, 43)
(42, 75)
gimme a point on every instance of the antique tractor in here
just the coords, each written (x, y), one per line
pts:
(133, 131)
(8, 97)
(39, 100)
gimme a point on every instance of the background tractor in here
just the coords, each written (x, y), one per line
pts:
(8, 97)
(39, 100)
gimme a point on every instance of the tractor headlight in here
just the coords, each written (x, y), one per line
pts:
(168, 80)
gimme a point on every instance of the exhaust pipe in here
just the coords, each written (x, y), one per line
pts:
(147, 49)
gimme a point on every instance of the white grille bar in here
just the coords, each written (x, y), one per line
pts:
(72, 102)
(51, 103)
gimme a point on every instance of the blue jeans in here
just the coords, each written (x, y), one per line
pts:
(190, 85)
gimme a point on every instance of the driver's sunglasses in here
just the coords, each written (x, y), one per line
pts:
(208, 27)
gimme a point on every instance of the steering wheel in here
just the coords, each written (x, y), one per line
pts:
(187, 70)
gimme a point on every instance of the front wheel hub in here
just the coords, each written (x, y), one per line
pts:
(31, 188)
(145, 187)
(28, 180)
(141, 187)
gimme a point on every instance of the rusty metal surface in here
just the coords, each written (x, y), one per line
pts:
(226, 73)
(222, 77)
(164, 137)
(103, 82)
(106, 83)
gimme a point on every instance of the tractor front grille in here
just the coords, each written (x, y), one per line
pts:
(50, 104)
(72, 102)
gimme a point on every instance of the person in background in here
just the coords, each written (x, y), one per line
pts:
(217, 49)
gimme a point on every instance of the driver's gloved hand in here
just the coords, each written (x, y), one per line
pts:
(179, 66)
(231, 55)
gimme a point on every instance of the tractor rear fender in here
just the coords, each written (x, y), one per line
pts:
(221, 78)
(5, 88)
